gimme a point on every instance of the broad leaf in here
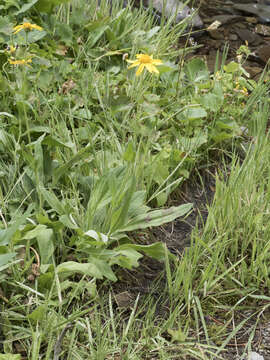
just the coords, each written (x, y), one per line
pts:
(156, 218)
(44, 238)
(5, 260)
(10, 357)
(48, 5)
(25, 7)
(156, 250)
(96, 268)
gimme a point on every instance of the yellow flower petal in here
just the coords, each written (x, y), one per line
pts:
(140, 69)
(144, 60)
(136, 63)
(17, 27)
(157, 62)
(154, 69)
(20, 62)
(39, 28)
(26, 26)
(149, 67)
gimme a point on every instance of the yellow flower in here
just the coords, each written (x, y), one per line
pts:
(26, 26)
(10, 49)
(20, 62)
(145, 61)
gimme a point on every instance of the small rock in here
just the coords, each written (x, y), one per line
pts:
(177, 9)
(253, 70)
(227, 19)
(249, 36)
(255, 356)
(261, 10)
(216, 34)
(233, 37)
(251, 20)
(214, 25)
(124, 299)
(263, 30)
(264, 53)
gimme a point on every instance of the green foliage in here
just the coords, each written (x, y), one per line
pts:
(48, 5)
(90, 154)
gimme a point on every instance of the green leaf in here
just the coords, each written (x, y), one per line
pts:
(212, 101)
(197, 70)
(97, 236)
(129, 154)
(64, 169)
(162, 199)
(44, 238)
(32, 37)
(5, 26)
(54, 203)
(150, 108)
(96, 30)
(38, 314)
(194, 113)
(126, 257)
(5, 260)
(7, 234)
(156, 218)
(232, 67)
(153, 31)
(52, 141)
(10, 357)
(177, 335)
(96, 268)
(65, 33)
(156, 250)
(164, 69)
(152, 98)
(68, 221)
(122, 103)
(25, 7)
(46, 245)
(48, 5)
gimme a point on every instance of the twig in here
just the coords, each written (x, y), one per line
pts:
(58, 344)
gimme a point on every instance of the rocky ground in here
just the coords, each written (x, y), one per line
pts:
(237, 23)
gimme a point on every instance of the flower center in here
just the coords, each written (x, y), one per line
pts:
(27, 26)
(145, 59)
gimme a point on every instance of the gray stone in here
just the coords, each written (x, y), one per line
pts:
(176, 9)
(170, 8)
(255, 356)
(227, 19)
(261, 10)
(249, 36)
(263, 30)
(264, 53)
(233, 37)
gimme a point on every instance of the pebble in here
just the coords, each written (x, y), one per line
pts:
(251, 20)
(263, 30)
(264, 53)
(249, 36)
(255, 356)
(233, 37)
(227, 19)
(216, 34)
(253, 70)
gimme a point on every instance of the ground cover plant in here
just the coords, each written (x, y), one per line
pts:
(92, 150)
